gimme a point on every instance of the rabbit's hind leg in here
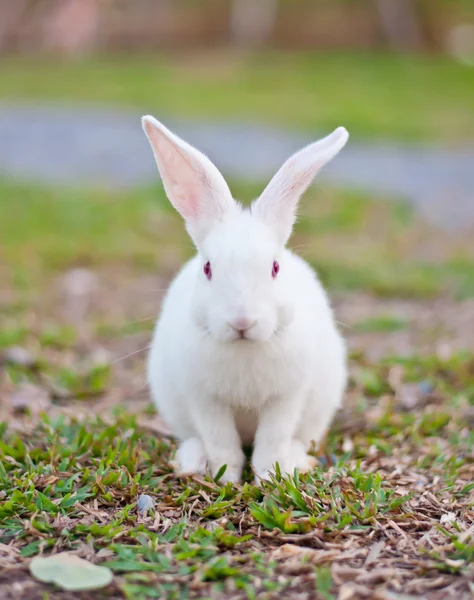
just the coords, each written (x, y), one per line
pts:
(296, 458)
(320, 410)
(302, 461)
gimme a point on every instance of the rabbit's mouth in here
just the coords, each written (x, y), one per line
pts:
(242, 336)
(235, 333)
(250, 336)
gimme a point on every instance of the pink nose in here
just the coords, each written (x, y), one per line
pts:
(242, 324)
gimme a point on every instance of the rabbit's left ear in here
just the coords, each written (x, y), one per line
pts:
(192, 183)
(278, 202)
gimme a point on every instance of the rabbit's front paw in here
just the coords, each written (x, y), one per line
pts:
(191, 457)
(233, 471)
(264, 463)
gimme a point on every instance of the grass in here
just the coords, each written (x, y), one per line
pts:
(72, 484)
(355, 243)
(373, 95)
(382, 323)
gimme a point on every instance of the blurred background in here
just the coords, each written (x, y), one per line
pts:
(88, 241)
(87, 26)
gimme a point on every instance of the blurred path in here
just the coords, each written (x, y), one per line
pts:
(97, 146)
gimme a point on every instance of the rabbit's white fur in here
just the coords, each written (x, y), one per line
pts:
(277, 387)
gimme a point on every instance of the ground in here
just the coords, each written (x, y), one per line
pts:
(389, 511)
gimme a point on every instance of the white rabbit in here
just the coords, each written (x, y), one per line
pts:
(246, 349)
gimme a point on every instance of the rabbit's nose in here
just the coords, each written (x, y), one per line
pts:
(242, 324)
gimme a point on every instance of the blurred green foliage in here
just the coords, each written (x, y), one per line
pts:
(355, 242)
(373, 95)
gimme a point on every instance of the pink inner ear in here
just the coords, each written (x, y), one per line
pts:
(192, 183)
(178, 175)
(190, 212)
(302, 179)
(180, 180)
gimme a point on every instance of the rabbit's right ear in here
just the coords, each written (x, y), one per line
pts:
(192, 183)
(278, 203)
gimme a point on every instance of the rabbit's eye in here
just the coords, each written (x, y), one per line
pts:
(207, 270)
(275, 269)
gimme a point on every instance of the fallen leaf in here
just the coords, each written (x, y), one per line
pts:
(105, 553)
(289, 550)
(70, 572)
(374, 552)
(346, 592)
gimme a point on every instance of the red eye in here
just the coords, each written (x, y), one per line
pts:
(275, 269)
(207, 270)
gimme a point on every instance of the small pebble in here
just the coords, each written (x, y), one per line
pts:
(145, 503)
(328, 460)
(426, 387)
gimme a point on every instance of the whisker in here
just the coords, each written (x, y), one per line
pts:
(344, 324)
(300, 247)
(131, 354)
(139, 320)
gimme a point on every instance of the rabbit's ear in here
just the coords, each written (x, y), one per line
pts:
(278, 202)
(192, 183)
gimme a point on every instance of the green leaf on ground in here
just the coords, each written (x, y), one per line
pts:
(70, 572)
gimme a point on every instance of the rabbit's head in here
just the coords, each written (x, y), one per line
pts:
(243, 289)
